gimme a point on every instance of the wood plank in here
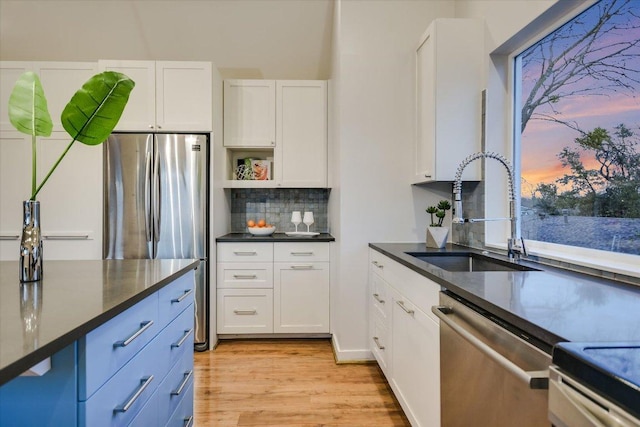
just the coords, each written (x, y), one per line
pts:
(289, 383)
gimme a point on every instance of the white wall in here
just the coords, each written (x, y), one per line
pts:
(274, 39)
(372, 98)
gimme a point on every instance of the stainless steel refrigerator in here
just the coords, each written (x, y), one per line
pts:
(156, 205)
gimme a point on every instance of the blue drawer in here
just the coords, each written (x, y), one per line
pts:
(175, 339)
(105, 407)
(174, 387)
(176, 297)
(103, 351)
(183, 415)
(148, 416)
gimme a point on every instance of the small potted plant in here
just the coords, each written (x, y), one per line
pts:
(436, 233)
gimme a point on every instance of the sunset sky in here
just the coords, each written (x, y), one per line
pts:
(543, 140)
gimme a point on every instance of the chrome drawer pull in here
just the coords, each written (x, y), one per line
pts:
(183, 339)
(377, 297)
(65, 237)
(377, 264)
(188, 422)
(245, 253)
(144, 383)
(184, 382)
(245, 312)
(377, 341)
(302, 267)
(183, 296)
(309, 253)
(245, 276)
(402, 306)
(144, 326)
(9, 237)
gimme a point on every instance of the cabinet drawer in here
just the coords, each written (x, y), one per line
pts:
(245, 252)
(175, 340)
(380, 343)
(174, 387)
(103, 351)
(183, 415)
(174, 298)
(245, 311)
(148, 415)
(301, 252)
(377, 263)
(130, 388)
(245, 275)
(380, 298)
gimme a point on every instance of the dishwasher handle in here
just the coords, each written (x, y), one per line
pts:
(534, 379)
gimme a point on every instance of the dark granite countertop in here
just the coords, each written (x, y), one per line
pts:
(552, 305)
(75, 297)
(275, 237)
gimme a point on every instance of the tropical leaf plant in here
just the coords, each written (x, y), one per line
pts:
(89, 117)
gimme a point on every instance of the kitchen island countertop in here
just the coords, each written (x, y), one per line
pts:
(38, 319)
(551, 305)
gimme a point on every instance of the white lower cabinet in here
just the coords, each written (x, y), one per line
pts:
(405, 340)
(280, 287)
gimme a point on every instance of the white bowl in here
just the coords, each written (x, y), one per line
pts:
(261, 231)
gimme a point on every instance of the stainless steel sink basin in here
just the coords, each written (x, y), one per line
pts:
(467, 262)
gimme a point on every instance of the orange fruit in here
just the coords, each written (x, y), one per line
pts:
(251, 223)
(262, 223)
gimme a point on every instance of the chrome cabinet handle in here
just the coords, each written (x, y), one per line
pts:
(245, 312)
(183, 296)
(188, 422)
(66, 237)
(406, 310)
(183, 339)
(143, 327)
(308, 253)
(184, 382)
(245, 276)
(377, 264)
(144, 383)
(302, 267)
(377, 341)
(377, 297)
(245, 253)
(9, 237)
(534, 379)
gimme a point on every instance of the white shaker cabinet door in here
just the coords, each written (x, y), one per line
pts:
(249, 113)
(140, 112)
(301, 133)
(183, 96)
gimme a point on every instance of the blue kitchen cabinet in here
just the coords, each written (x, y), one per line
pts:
(134, 369)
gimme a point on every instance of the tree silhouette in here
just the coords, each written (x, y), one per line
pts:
(597, 46)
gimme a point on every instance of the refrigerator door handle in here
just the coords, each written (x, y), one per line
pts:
(157, 204)
(147, 197)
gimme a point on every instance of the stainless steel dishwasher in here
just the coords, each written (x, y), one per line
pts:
(488, 375)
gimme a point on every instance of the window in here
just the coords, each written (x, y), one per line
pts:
(578, 101)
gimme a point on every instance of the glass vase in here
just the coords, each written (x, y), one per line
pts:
(31, 243)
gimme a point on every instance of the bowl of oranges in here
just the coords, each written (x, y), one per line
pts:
(260, 228)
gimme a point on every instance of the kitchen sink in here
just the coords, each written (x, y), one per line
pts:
(467, 262)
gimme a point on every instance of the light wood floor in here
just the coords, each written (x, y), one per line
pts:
(289, 383)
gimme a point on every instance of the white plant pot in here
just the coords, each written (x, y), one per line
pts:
(437, 237)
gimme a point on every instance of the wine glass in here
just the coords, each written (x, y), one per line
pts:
(308, 219)
(296, 219)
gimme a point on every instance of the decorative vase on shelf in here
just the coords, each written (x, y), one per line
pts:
(31, 243)
(437, 237)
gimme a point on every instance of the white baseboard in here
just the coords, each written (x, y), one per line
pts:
(350, 356)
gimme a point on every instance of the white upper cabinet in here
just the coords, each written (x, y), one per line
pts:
(281, 121)
(449, 76)
(168, 96)
(60, 81)
(301, 133)
(249, 113)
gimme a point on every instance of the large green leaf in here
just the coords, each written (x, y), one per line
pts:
(28, 110)
(94, 110)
